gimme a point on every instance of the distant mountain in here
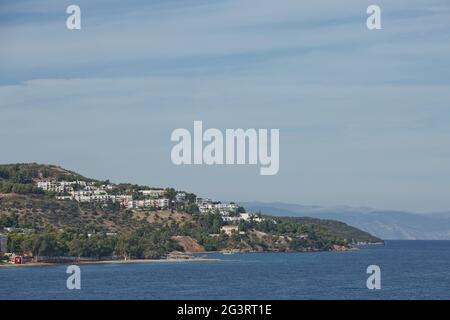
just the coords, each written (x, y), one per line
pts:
(384, 224)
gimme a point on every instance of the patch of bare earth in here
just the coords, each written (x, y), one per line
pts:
(164, 216)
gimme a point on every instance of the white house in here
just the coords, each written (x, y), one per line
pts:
(250, 216)
(154, 193)
(132, 204)
(163, 203)
(19, 230)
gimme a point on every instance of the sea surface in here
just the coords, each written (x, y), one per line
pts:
(409, 270)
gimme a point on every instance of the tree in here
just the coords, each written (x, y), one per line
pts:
(190, 198)
(128, 246)
(171, 193)
(76, 248)
(47, 245)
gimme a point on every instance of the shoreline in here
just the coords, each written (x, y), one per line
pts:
(170, 260)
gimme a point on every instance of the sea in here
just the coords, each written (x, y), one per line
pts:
(408, 270)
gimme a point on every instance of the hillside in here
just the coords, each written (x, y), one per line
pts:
(26, 172)
(44, 224)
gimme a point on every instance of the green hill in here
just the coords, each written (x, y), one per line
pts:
(21, 177)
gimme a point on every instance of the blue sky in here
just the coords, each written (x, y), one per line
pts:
(364, 116)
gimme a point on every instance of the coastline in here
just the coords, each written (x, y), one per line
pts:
(244, 276)
(170, 260)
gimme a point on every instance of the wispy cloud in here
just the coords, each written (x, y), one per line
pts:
(166, 37)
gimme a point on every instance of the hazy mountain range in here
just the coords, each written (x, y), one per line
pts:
(384, 224)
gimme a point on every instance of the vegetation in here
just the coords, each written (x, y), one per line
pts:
(72, 243)
(339, 229)
(18, 178)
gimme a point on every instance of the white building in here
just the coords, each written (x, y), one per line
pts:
(231, 219)
(132, 204)
(250, 216)
(60, 186)
(91, 192)
(229, 230)
(203, 201)
(154, 193)
(161, 203)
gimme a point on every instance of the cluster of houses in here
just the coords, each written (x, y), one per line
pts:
(228, 211)
(83, 191)
(206, 205)
(156, 198)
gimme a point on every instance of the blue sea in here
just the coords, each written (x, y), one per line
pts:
(409, 270)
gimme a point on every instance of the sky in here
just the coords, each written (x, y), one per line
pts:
(364, 115)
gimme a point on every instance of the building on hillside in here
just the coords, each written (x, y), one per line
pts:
(60, 186)
(229, 230)
(19, 230)
(257, 219)
(154, 193)
(250, 216)
(180, 197)
(231, 219)
(45, 185)
(203, 201)
(132, 204)
(163, 203)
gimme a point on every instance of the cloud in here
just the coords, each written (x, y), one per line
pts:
(163, 38)
(363, 115)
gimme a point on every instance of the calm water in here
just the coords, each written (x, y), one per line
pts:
(410, 270)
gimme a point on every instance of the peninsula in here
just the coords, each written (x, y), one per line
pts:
(48, 213)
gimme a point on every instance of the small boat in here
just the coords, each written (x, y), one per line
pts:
(227, 252)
